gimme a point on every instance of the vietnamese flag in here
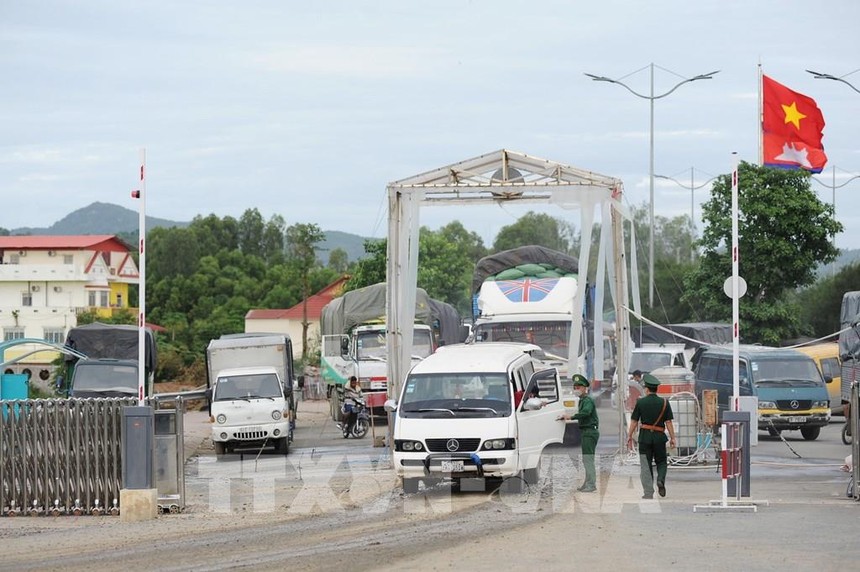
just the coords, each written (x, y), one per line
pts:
(792, 128)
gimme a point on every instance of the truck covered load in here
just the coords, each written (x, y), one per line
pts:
(703, 332)
(111, 367)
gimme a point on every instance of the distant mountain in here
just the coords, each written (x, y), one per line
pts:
(99, 218)
(107, 218)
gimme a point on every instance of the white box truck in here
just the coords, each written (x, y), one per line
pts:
(250, 391)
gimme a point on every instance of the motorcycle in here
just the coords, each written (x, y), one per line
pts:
(362, 420)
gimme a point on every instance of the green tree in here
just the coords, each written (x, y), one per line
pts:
(821, 304)
(301, 247)
(338, 260)
(785, 232)
(539, 229)
(251, 231)
(371, 269)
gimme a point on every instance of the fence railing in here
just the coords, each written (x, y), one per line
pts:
(64, 456)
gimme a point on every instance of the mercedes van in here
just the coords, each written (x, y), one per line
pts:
(790, 390)
(476, 412)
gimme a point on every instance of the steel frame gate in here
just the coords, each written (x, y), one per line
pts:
(61, 456)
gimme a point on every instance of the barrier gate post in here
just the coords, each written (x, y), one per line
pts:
(735, 465)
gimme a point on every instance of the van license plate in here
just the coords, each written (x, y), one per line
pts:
(797, 419)
(452, 466)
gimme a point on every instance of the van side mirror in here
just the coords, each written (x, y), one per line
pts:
(209, 394)
(344, 347)
(390, 405)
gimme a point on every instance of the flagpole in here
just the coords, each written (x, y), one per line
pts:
(760, 119)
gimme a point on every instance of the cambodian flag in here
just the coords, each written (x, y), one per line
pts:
(527, 289)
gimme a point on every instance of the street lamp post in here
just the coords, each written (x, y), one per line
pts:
(833, 188)
(651, 97)
(819, 75)
(692, 188)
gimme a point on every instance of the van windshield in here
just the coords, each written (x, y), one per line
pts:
(785, 373)
(447, 395)
(258, 386)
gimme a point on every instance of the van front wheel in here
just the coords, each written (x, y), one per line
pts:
(810, 433)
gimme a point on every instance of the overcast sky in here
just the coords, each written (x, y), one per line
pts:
(308, 109)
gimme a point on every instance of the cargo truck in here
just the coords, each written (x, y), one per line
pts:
(111, 366)
(354, 341)
(250, 391)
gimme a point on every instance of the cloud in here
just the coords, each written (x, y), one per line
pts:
(358, 61)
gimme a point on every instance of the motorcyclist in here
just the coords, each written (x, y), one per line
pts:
(351, 395)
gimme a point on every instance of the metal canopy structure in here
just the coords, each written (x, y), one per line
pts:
(503, 177)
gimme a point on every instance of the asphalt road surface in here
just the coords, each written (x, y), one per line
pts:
(333, 504)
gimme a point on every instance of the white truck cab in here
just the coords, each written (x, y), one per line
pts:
(249, 408)
(476, 411)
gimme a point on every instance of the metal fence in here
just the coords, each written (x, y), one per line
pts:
(61, 456)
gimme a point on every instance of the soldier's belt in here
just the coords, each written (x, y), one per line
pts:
(654, 428)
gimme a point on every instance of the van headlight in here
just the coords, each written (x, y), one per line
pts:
(221, 419)
(276, 415)
(821, 403)
(498, 444)
(766, 405)
(408, 446)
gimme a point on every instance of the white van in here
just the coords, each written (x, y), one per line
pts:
(462, 415)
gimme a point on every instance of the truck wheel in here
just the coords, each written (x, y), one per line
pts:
(220, 448)
(282, 446)
(512, 485)
(532, 476)
(810, 433)
(410, 486)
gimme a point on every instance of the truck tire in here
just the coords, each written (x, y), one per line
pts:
(810, 433)
(282, 446)
(410, 486)
(513, 485)
(220, 448)
(532, 476)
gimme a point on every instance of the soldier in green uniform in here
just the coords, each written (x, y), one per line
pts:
(653, 416)
(588, 424)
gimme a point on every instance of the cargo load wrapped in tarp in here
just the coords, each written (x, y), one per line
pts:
(553, 265)
(112, 341)
(703, 332)
(849, 342)
(367, 305)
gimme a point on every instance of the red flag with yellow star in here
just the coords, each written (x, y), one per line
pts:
(792, 129)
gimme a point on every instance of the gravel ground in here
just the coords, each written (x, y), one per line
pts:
(334, 504)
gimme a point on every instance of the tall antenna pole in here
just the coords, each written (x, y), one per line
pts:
(141, 320)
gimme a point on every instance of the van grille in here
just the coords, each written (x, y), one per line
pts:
(464, 445)
(785, 404)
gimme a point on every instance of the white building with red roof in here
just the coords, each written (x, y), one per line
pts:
(289, 321)
(46, 281)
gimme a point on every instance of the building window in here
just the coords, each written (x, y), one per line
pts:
(10, 334)
(68, 259)
(91, 298)
(119, 300)
(103, 299)
(55, 335)
(26, 299)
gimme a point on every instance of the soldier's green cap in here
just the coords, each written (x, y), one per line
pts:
(650, 381)
(579, 379)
